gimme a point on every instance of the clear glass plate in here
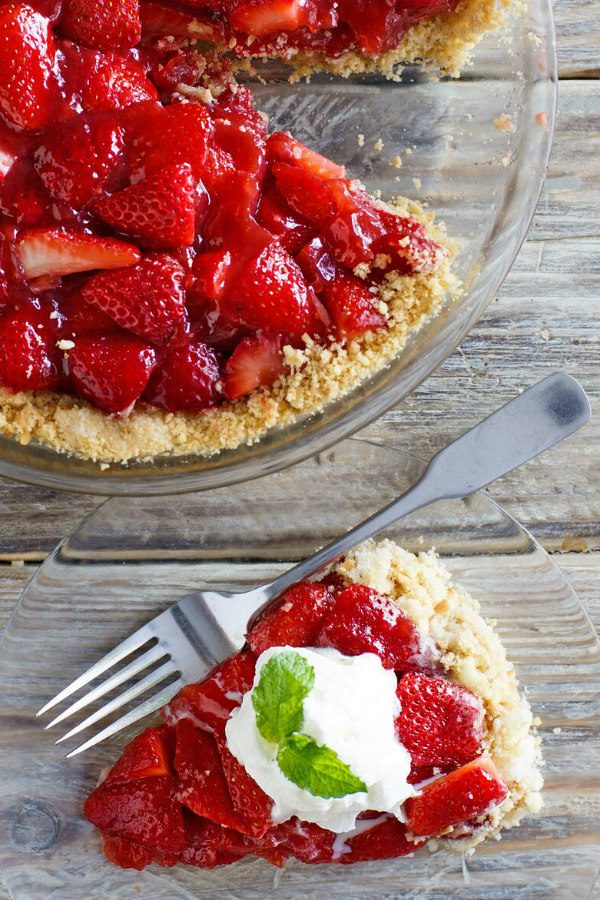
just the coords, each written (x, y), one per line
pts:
(482, 181)
(133, 557)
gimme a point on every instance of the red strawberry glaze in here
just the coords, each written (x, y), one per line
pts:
(177, 794)
(254, 236)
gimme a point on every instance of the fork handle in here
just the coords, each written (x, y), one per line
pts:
(533, 422)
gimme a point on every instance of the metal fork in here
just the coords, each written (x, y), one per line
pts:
(185, 642)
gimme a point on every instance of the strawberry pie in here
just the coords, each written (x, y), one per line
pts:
(371, 714)
(173, 277)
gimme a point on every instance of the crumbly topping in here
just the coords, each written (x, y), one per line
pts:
(319, 375)
(473, 656)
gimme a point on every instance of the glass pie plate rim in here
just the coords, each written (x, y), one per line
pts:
(425, 352)
(129, 548)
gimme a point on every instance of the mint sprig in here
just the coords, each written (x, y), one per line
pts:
(278, 700)
(316, 769)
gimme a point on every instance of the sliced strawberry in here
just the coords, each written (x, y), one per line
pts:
(29, 358)
(57, 251)
(255, 362)
(111, 371)
(24, 198)
(201, 784)
(306, 193)
(144, 811)
(146, 756)
(164, 19)
(158, 212)
(386, 840)
(351, 306)
(210, 844)
(112, 25)
(244, 146)
(295, 620)
(466, 793)
(210, 703)
(317, 266)
(283, 148)
(28, 87)
(267, 17)
(275, 215)
(406, 243)
(75, 159)
(271, 294)
(126, 854)
(79, 317)
(240, 106)
(307, 841)
(364, 621)
(147, 298)
(187, 380)
(110, 82)
(210, 273)
(249, 800)
(440, 723)
(179, 133)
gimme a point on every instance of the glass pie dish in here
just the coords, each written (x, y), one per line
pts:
(133, 557)
(474, 150)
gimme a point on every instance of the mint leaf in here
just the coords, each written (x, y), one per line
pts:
(278, 698)
(317, 769)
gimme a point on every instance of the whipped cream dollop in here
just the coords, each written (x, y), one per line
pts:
(351, 709)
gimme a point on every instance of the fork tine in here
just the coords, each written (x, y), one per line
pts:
(144, 709)
(142, 662)
(132, 643)
(149, 681)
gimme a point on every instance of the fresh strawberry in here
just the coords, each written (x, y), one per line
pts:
(28, 87)
(295, 620)
(277, 217)
(144, 811)
(109, 82)
(249, 800)
(317, 266)
(201, 784)
(466, 793)
(283, 148)
(146, 756)
(211, 702)
(440, 722)
(29, 358)
(24, 198)
(352, 306)
(126, 854)
(255, 362)
(75, 159)
(111, 370)
(385, 840)
(159, 211)
(112, 25)
(165, 136)
(267, 17)
(364, 621)
(188, 380)
(405, 241)
(147, 298)
(57, 251)
(271, 294)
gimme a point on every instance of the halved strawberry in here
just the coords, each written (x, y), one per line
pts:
(110, 370)
(210, 844)
(79, 317)
(164, 136)
(144, 811)
(112, 25)
(105, 81)
(201, 784)
(249, 800)
(364, 621)
(466, 793)
(271, 294)
(211, 702)
(295, 620)
(440, 723)
(159, 211)
(351, 306)
(210, 273)
(28, 86)
(386, 840)
(29, 358)
(147, 299)
(267, 17)
(187, 380)
(76, 158)
(255, 362)
(275, 215)
(57, 251)
(239, 106)
(317, 266)
(283, 148)
(405, 241)
(126, 854)
(146, 756)
(244, 146)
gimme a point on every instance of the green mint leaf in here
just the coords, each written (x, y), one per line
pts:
(317, 769)
(278, 698)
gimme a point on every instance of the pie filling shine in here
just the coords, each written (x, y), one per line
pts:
(460, 747)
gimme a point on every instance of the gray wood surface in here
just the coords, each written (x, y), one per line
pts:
(545, 318)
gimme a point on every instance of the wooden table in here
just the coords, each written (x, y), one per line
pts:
(550, 306)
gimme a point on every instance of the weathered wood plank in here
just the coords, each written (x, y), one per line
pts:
(578, 33)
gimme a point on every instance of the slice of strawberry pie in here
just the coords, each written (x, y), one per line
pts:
(356, 725)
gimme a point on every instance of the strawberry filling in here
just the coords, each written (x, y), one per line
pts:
(177, 794)
(178, 246)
